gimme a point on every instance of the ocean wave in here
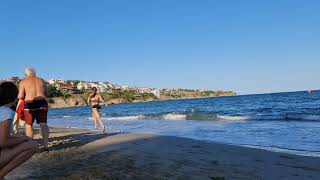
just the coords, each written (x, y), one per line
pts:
(126, 117)
(210, 116)
(233, 118)
(307, 117)
(285, 117)
(174, 116)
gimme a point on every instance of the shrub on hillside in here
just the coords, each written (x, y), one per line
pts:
(53, 92)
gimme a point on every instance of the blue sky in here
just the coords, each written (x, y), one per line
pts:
(249, 46)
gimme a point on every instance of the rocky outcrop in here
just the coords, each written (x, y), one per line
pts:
(59, 102)
(75, 101)
(117, 101)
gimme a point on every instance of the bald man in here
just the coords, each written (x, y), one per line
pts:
(33, 90)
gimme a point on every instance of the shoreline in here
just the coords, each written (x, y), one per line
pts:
(88, 154)
(296, 152)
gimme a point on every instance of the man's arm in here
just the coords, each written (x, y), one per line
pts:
(16, 119)
(22, 92)
(45, 88)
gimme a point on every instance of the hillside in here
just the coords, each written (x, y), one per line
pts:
(130, 96)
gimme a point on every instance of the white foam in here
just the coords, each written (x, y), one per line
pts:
(125, 117)
(233, 118)
(174, 116)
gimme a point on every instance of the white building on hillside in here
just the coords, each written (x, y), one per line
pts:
(102, 87)
(84, 85)
(13, 79)
(156, 92)
(144, 90)
(53, 81)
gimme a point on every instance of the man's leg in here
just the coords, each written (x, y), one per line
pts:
(28, 117)
(29, 131)
(45, 134)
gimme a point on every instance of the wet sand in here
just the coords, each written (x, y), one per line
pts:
(88, 154)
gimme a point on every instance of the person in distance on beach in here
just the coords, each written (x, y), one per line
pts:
(94, 99)
(14, 150)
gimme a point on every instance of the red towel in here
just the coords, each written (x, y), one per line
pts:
(20, 109)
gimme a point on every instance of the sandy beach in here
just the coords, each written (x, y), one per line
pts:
(88, 154)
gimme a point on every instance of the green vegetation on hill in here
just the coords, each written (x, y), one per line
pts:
(54, 92)
(131, 95)
(187, 93)
(74, 82)
(128, 95)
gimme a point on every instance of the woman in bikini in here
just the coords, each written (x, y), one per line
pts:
(14, 150)
(94, 99)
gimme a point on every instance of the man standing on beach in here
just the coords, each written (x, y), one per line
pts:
(33, 90)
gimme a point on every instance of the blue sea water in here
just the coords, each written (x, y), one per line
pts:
(283, 122)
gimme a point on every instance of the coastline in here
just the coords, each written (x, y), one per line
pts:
(88, 154)
(76, 102)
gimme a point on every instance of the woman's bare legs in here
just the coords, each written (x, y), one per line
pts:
(15, 156)
(94, 120)
(98, 117)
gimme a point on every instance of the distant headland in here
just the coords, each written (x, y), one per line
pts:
(70, 93)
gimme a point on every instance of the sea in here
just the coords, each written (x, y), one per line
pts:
(281, 122)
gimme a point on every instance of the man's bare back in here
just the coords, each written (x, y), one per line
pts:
(32, 88)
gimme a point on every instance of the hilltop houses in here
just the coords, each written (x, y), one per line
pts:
(13, 79)
(67, 88)
(64, 86)
(141, 90)
(84, 85)
(102, 87)
(156, 93)
(53, 81)
(81, 87)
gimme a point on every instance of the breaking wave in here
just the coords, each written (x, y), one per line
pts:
(191, 115)
(174, 116)
(126, 117)
(303, 116)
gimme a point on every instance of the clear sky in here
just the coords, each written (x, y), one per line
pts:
(249, 46)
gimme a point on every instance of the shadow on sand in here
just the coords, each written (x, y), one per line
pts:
(77, 140)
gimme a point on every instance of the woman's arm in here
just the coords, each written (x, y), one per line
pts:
(101, 99)
(89, 98)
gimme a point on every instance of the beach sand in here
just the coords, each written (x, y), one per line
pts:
(88, 154)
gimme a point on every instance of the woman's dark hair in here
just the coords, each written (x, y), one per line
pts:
(8, 92)
(94, 89)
